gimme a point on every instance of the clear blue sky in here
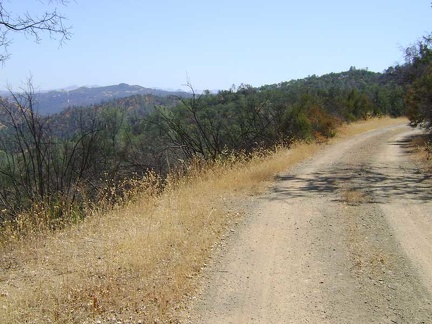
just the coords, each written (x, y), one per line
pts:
(215, 43)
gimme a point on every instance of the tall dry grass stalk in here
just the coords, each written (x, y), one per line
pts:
(139, 262)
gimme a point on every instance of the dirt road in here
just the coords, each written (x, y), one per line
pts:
(345, 237)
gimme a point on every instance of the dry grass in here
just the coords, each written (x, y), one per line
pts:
(422, 151)
(139, 262)
(368, 125)
(354, 197)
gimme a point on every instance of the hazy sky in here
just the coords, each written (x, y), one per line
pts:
(215, 43)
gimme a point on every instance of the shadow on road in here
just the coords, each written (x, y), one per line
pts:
(380, 182)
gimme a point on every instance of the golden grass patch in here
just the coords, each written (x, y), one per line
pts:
(368, 125)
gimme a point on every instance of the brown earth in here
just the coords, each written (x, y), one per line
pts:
(345, 237)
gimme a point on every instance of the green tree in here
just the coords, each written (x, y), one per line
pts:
(419, 76)
(419, 100)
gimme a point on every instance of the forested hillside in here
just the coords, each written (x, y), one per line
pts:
(69, 161)
(419, 82)
(55, 101)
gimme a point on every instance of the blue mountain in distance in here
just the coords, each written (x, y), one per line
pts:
(54, 101)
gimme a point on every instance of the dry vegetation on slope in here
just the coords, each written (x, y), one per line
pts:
(138, 263)
(421, 146)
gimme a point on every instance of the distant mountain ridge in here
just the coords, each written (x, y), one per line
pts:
(55, 101)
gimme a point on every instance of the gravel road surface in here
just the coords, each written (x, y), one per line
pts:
(345, 237)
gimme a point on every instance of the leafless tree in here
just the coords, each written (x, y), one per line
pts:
(50, 22)
(37, 167)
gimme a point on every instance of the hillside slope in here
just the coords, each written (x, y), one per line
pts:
(53, 102)
(140, 262)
